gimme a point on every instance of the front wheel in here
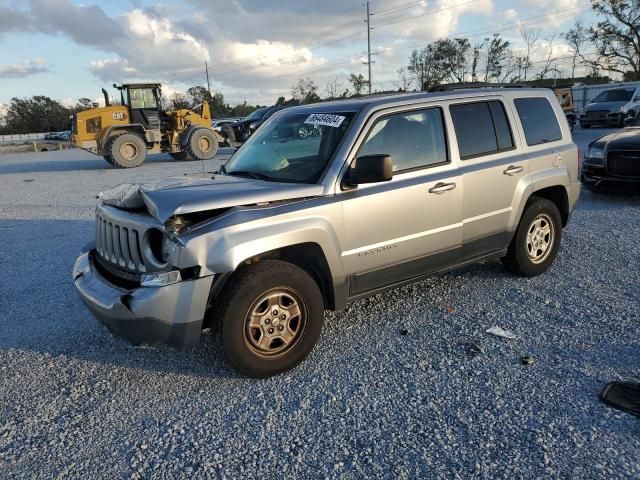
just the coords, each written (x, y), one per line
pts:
(202, 144)
(272, 314)
(537, 240)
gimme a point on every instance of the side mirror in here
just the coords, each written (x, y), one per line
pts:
(370, 169)
(628, 121)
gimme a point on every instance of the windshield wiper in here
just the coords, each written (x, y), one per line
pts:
(247, 173)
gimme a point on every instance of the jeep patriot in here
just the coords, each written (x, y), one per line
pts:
(326, 204)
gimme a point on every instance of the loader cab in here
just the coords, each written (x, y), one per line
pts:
(143, 100)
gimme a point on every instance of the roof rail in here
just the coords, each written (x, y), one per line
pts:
(479, 85)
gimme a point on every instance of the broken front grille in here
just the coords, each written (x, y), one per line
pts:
(598, 115)
(624, 164)
(121, 240)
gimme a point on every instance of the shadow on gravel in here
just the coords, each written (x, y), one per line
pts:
(56, 164)
(42, 312)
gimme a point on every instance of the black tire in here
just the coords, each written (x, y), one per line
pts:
(246, 293)
(180, 155)
(107, 158)
(127, 150)
(519, 260)
(229, 134)
(202, 144)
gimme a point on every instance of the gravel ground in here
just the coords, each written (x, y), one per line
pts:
(390, 390)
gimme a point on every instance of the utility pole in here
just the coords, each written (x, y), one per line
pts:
(206, 70)
(368, 20)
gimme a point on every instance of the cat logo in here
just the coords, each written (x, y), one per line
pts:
(119, 116)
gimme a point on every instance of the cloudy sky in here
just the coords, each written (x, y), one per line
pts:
(255, 49)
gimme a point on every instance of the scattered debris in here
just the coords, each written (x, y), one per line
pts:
(404, 332)
(29, 180)
(528, 360)
(623, 396)
(472, 349)
(450, 309)
(501, 332)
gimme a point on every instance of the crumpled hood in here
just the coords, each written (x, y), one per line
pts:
(608, 106)
(625, 139)
(181, 195)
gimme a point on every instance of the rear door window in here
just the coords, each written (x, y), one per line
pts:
(482, 128)
(539, 120)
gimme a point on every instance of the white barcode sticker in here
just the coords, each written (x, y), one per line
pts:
(325, 119)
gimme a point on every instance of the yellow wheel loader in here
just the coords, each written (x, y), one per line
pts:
(124, 134)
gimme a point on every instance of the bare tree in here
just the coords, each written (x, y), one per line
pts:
(404, 79)
(577, 37)
(549, 63)
(531, 38)
(616, 37)
(335, 89)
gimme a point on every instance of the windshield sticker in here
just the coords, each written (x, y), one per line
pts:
(325, 119)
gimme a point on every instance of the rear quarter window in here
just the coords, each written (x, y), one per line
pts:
(539, 120)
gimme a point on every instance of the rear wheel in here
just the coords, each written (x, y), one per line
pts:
(202, 144)
(127, 150)
(272, 313)
(537, 240)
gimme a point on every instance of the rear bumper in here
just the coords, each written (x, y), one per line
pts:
(172, 314)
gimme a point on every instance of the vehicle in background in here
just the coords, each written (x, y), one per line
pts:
(123, 134)
(246, 127)
(613, 160)
(611, 107)
(390, 190)
(565, 98)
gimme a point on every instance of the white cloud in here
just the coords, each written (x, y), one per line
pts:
(510, 14)
(23, 69)
(444, 19)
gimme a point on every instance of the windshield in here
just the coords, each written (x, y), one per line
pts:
(615, 96)
(257, 114)
(292, 147)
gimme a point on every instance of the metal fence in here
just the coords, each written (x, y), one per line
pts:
(22, 137)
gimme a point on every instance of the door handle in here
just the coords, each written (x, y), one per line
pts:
(440, 188)
(512, 170)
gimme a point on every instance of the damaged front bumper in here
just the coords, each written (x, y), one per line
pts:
(171, 314)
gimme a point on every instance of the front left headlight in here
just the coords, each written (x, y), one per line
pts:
(595, 153)
(155, 280)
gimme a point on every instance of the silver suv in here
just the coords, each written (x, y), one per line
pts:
(384, 191)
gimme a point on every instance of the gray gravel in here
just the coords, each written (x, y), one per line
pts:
(76, 402)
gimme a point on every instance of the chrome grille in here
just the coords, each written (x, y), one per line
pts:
(624, 164)
(121, 240)
(119, 244)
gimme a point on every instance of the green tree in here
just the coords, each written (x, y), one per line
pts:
(36, 114)
(496, 56)
(305, 91)
(358, 82)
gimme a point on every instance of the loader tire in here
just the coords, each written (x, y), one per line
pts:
(127, 150)
(108, 159)
(202, 144)
(229, 135)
